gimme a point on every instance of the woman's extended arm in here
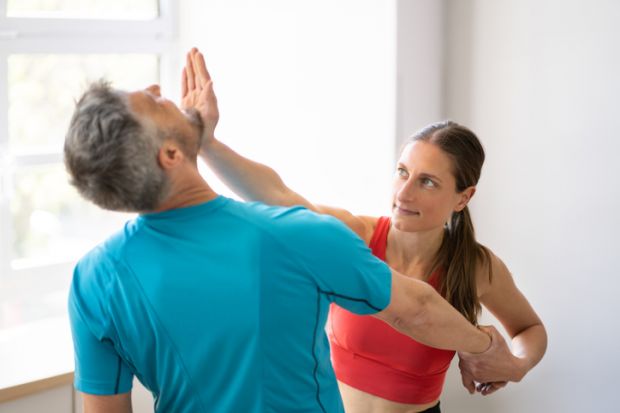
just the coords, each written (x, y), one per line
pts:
(254, 181)
(529, 338)
(250, 180)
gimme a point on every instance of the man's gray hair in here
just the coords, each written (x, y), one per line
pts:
(111, 156)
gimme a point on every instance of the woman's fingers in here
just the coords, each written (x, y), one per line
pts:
(488, 388)
(200, 68)
(189, 68)
(183, 83)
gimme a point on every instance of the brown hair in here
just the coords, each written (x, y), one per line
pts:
(459, 253)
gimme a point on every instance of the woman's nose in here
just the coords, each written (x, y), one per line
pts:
(406, 192)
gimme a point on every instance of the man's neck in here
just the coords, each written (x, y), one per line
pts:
(187, 191)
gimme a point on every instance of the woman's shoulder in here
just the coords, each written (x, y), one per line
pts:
(364, 226)
(489, 269)
(370, 225)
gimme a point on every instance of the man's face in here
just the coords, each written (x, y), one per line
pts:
(148, 104)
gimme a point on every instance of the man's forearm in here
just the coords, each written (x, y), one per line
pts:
(442, 326)
(418, 311)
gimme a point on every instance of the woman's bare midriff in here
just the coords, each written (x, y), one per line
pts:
(357, 401)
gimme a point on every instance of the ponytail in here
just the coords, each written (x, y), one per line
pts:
(459, 256)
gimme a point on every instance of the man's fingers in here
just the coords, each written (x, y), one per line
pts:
(467, 379)
(468, 383)
(191, 84)
(490, 329)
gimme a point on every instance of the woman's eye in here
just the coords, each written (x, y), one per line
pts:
(401, 172)
(428, 183)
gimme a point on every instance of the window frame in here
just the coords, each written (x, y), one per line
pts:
(24, 35)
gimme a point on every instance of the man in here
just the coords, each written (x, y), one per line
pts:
(216, 305)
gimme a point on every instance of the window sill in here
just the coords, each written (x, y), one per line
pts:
(35, 357)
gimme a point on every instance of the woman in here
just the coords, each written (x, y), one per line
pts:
(429, 236)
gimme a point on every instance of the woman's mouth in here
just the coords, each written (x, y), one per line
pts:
(404, 211)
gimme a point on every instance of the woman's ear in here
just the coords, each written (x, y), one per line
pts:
(464, 198)
(170, 155)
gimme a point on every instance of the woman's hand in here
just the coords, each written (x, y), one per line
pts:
(197, 93)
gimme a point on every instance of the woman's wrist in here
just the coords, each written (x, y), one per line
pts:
(208, 146)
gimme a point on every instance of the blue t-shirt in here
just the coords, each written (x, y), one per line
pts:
(221, 307)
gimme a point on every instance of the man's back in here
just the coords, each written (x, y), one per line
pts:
(221, 307)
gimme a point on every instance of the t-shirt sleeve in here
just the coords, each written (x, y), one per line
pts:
(99, 369)
(342, 265)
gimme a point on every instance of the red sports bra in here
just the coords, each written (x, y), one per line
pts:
(371, 356)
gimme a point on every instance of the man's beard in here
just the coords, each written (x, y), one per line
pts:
(196, 121)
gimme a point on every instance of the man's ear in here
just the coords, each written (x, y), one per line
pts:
(465, 196)
(170, 155)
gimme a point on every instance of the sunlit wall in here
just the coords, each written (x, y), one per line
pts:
(306, 87)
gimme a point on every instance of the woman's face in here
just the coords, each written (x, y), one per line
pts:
(424, 191)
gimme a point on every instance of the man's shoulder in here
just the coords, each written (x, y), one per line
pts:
(261, 210)
(292, 220)
(101, 260)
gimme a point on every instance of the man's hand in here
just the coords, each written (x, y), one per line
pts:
(197, 92)
(487, 388)
(493, 368)
(484, 388)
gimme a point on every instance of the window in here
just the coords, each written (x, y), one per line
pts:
(49, 51)
(90, 9)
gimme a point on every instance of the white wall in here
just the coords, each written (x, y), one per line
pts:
(539, 83)
(420, 65)
(307, 88)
